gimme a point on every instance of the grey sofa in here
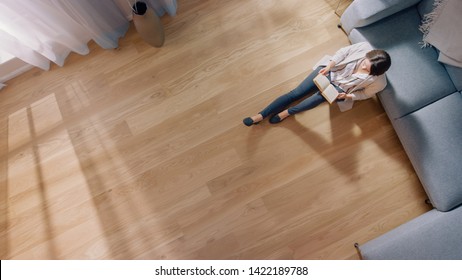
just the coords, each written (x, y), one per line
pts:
(424, 103)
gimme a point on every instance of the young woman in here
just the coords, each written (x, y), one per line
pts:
(357, 71)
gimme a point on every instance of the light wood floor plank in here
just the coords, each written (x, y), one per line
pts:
(140, 153)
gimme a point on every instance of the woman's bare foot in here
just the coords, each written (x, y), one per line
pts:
(284, 114)
(257, 118)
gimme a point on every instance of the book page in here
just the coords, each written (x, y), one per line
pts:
(330, 93)
(321, 81)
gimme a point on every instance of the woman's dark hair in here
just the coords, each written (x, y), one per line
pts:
(380, 62)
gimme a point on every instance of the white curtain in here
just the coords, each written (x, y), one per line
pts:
(40, 31)
(163, 6)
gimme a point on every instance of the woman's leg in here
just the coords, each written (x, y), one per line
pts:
(282, 102)
(307, 104)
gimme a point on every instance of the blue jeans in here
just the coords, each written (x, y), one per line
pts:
(303, 90)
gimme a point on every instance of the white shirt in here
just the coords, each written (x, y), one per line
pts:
(346, 79)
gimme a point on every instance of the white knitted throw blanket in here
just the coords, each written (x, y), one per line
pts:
(442, 28)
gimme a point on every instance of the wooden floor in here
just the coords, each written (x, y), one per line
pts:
(140, 153)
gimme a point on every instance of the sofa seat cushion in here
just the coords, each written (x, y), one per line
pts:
(425, 7)
(432, 138)
(456, 75)
(415, 78)
(434, 235)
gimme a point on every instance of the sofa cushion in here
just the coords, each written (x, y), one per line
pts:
(415, 78)
(432, 138)
(434, 235)
(456, 75)
(364, 12)
(425, 7)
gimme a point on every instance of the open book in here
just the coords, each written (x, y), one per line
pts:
(327, 89)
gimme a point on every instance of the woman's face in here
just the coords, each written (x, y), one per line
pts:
(366, 65)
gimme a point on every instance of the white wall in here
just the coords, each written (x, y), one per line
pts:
(11, 67)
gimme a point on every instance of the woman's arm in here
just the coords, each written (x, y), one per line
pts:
(326, 69)
(352, 52)
(341, 54)
(370, 90)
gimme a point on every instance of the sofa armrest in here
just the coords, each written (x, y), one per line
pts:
(433, 235)
(364, 12)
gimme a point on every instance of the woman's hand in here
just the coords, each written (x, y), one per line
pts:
(324, 71)
(344, 96)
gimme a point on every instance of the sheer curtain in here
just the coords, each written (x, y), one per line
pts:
(163, 6)
(38, 32)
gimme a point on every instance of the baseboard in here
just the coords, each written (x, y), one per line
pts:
(13, 68)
